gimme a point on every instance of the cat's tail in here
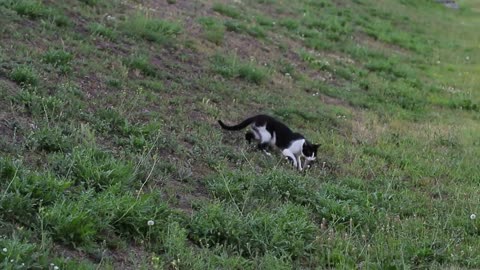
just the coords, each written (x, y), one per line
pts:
(240, 126)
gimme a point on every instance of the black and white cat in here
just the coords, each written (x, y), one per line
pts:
(269, 132)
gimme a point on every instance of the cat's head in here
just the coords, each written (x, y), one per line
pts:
(309, 151)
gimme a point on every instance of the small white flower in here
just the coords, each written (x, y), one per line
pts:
(4, 249)
(467, 58)
(473, 216)
(56, 267)
(151, 223)
(11, 260)
(52, 264)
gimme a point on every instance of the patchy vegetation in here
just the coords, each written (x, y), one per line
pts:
(111, 157)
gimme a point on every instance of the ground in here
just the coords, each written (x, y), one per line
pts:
(108, 120)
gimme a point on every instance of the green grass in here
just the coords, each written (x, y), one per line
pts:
(60, 59)
(227, 10)
(240, 27)
(142, 64)
(111, 155)
(151, 29)
(102, 30)
(31, 8)
(25, 75)
(229, 67)
(214, 31)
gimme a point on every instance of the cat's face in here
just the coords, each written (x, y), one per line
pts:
(310, 151)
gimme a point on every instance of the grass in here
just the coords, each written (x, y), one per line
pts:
(31, 8)
(25, 75)
(111, 156)
(227, 10)
(214, 31)
(59, 59)
(228, 67)
(142, 64)
(102, 30)
(239, 27)
(151, 29)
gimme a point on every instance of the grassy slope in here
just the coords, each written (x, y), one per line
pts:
(108, 120)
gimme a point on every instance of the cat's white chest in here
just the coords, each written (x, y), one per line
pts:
(296, 147)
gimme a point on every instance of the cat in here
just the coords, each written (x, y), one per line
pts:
(268, 131)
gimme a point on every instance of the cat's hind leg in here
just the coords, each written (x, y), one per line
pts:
(265, 138)
(263, 147)
(290, 156)
(250, 136)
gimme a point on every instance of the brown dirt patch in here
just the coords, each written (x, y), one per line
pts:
(333, 101)
(122, 259)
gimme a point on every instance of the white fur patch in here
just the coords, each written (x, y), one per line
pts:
(294, 151)
(264, 135)
(296, 147)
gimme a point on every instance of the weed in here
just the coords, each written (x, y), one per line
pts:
(115, 83)
(230, 67)
(286, 68)
(155, 30)
(225, 66)
(252, 73)
(92, 168)
(42, 189)
(142, 64)
(256, 31)
(50, 139)
(25, 191)
(155, 85)
(256, 232)
(290, 24)
(464, 104)
(214, 31)
(265, 21)
(73, 223)
(59, 59)
(17, 252)
(31, 8)
(389, 67)
(24, 75)
(99, 29)
(227, 10)
(112, 121)
(67, 102)
(239, 27)
(235, 26)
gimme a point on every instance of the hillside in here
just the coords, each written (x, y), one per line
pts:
(111, 156)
